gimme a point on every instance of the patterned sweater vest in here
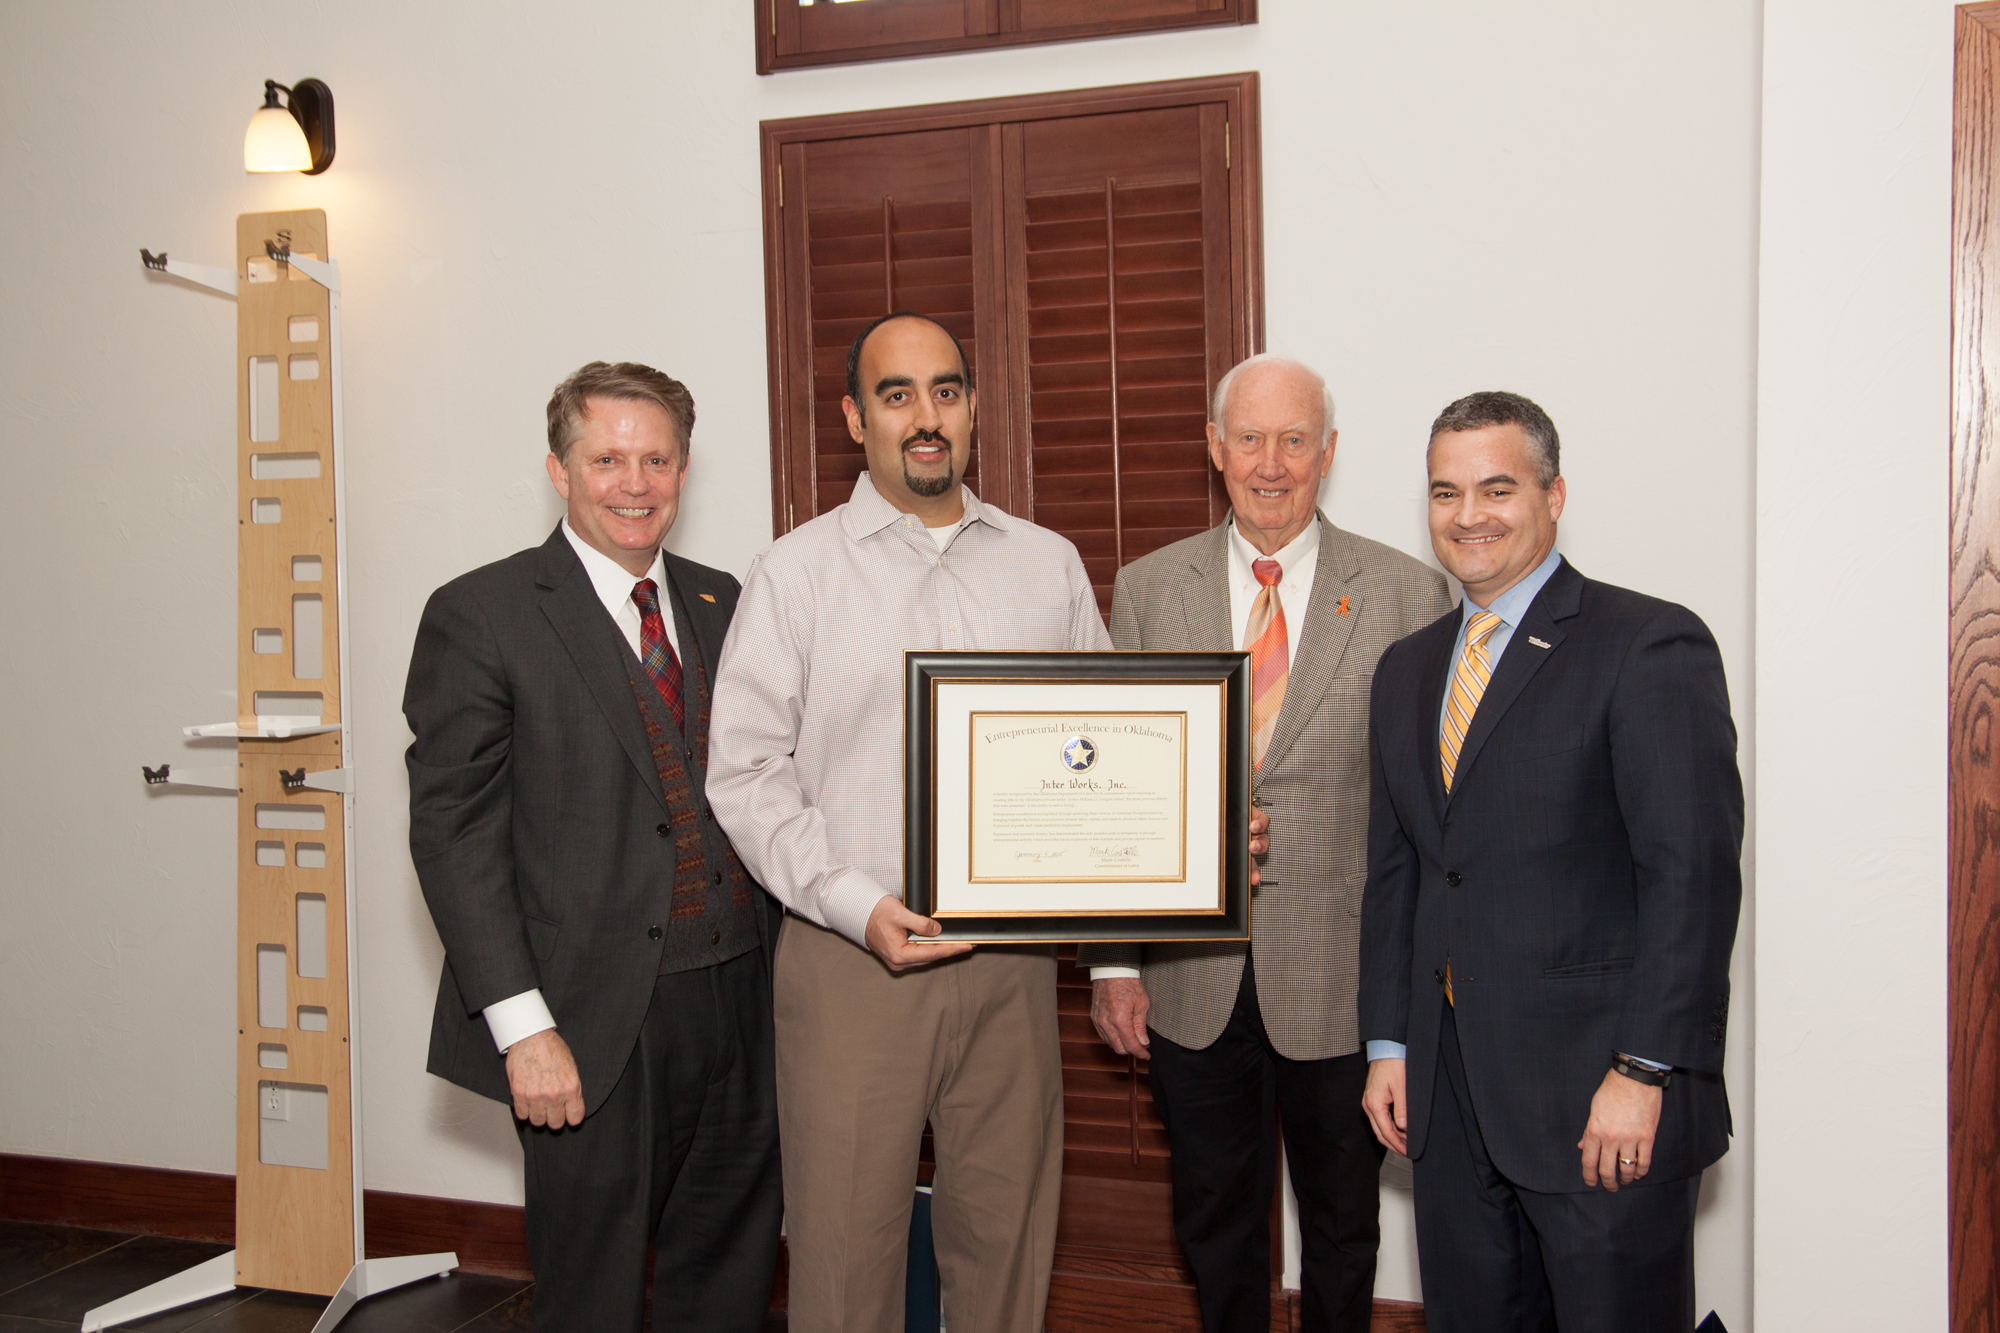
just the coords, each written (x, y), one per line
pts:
(713, 915)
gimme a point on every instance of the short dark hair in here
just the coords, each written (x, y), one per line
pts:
(624, 379)
(854, 354)
(1497, 407)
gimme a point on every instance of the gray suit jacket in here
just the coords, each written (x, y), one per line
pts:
(1305, 917)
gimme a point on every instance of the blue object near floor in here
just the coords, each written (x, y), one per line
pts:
(1712, 1324)
(922, 1311)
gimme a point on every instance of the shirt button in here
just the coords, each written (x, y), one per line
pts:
(663, 830)
(655, 933)
(1453, 878)
(952, 626)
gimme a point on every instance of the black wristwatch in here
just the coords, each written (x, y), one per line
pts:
(1638, 1073)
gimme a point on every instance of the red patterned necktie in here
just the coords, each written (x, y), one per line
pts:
(657, 653)
(1270, 658)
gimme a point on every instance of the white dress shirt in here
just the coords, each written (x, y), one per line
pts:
(805, 734)
(1299, 559)
(523, 1015)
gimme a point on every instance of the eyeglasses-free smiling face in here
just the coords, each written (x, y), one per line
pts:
(1491, 522)
(916, 421)
(622, 479)
(1273, 449)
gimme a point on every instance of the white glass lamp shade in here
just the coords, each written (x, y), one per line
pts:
(274, 142)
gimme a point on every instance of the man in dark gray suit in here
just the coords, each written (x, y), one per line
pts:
(1553, 886)
(1235, 1032)
(606, 954)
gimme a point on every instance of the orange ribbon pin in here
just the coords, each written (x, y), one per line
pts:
(1341, 609)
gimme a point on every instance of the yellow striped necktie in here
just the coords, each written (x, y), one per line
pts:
(1468, 685)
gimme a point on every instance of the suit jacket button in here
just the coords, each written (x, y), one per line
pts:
(1257, 800)
(1438, 976)
(709, 815)
(654, 933)
(663, 830)
(716, 938)
(1453, 878)
(718, 877)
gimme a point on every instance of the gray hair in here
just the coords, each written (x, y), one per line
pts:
(1228, 381)
(1497, 407)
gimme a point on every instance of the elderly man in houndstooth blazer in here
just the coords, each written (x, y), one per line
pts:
(1236, 1030)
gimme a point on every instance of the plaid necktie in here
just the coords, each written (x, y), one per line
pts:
(657, 653)
(1468, 686)
(1270, 658)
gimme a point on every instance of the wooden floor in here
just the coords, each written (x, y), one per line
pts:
(50, 1275)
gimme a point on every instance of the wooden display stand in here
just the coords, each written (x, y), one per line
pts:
(298, 1168)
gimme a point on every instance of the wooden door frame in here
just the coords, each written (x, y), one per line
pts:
(784, 140)
(1973, 681)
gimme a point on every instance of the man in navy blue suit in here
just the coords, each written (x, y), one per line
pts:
(1555, 832)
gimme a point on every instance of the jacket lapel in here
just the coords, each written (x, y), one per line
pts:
(1323, 639)
(1205, 596)
(1557, 601)
(705, 618)
(598, 650)
(1432, 665)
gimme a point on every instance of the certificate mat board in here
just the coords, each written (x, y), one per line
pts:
(1078, 796)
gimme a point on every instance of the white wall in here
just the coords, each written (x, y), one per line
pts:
(1559, 198)
(1852, 425)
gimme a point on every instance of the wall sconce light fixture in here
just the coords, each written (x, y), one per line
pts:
(295, 137)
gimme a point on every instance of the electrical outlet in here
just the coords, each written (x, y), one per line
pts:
(277, 1102)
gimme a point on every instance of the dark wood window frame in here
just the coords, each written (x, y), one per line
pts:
(791, 36)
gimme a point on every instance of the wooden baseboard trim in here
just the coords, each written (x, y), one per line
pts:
(197, 1205)
(1088, 1294)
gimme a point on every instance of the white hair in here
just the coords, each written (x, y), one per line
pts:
(1223, 385)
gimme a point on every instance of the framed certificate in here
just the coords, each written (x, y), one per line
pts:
(1078, 796)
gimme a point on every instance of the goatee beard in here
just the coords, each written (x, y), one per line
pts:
(928, 487)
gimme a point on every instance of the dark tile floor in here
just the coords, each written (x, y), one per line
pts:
(51, 1275)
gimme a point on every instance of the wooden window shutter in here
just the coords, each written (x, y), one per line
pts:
(1098, 254)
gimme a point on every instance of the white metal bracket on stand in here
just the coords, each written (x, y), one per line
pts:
(199, 1283)
(372, 1277)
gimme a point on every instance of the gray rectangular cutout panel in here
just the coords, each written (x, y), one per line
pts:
(263, 399)
(312, 934)
(271, 985)
(291, 1125)
(312, 1018)
(308, 636)
(276, 816)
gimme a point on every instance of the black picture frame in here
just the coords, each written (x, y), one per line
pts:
(921, 672)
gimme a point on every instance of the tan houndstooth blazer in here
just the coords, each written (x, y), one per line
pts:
(1306, 915)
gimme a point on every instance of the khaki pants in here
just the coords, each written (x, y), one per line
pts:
(865, 1057)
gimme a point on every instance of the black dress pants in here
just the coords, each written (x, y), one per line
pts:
(1218, 1106)
(682, 1157)
(1496, 1258)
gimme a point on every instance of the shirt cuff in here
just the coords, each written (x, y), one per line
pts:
(517, 1018)
(1379, 1049)
(850, 900)
(1653, 1065)
(1100, 973)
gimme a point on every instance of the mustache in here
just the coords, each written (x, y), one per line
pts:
(923, 437)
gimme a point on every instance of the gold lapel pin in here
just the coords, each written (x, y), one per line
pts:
(709, 597)
(1539, 643)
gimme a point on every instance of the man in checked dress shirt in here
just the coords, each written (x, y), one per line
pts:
(877, 1032)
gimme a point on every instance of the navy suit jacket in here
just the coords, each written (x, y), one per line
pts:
(1582, 879)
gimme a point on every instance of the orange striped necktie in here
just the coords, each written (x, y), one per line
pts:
(1468, 686)
(1270, 658)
